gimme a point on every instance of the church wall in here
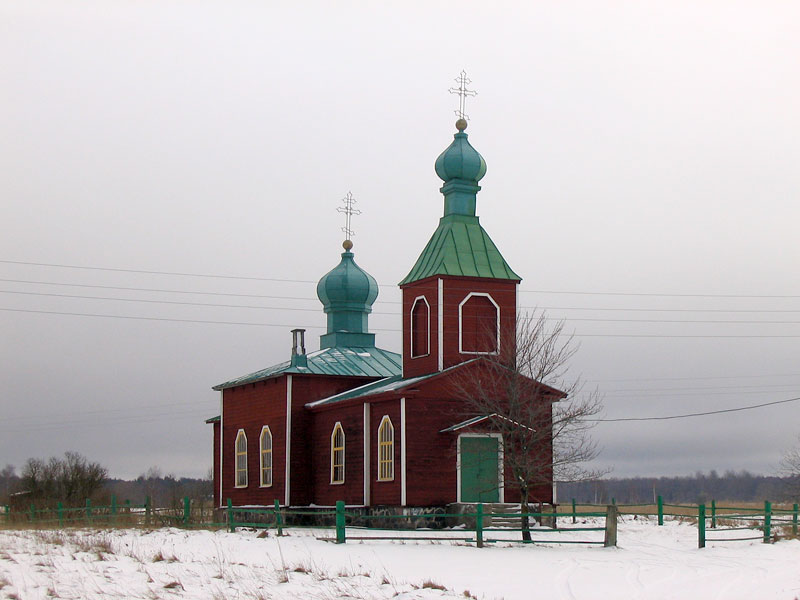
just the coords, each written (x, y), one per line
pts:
(352, 490)
(429, 363)
(308, 389)
(455, 290)
(385, 492)
(430, 455)
(250, 407)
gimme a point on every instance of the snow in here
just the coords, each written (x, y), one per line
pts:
(651, 562)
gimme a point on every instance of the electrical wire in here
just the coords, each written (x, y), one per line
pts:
(690, 415)
(284, 280)
(217, 305)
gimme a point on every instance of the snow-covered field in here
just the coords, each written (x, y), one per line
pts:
(650, 563)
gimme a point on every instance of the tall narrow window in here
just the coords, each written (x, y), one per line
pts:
(337, 454)
(266, 456)
(420, 327)
(479, 321)
(386, 450)
(241, 459)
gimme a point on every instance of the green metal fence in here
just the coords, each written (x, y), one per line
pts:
(771, 523)
(476, 526)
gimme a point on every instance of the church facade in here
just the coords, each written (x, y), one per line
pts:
(371, 427)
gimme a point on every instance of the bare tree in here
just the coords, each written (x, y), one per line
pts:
(789, 470)
(71, 479)
(545, 419)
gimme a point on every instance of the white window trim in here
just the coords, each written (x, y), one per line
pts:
(384, 420)
(461, 325)
(267, 430)
(338, 426)
(500, 461)
(236, 469)
(427, 328)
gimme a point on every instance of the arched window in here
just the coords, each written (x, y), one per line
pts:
(386, 449)
(420, 327)
(337, 454)
(265, 443)
(479, 324)
(241, 459)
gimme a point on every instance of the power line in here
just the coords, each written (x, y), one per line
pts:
(396, 313)
(698, 414)
(376, 329)
(282, 297)
(277, 279)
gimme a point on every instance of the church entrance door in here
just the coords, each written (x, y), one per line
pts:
(479, 468)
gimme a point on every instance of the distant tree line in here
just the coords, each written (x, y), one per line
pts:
(73, 478)
(741, 486)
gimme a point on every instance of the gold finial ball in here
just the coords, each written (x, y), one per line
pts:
(347, 245)
(461, 124)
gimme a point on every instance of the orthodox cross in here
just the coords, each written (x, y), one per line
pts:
(348, 211)
(463, 81)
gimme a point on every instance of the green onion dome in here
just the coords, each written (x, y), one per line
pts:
(460, 160)
(347, 286)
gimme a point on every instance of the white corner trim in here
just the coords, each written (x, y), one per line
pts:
(440, 324)
(221, 445)
(287, 477)
(500, 457)
(460, 323)
(367, 453)
(403, 495)
(427, 328)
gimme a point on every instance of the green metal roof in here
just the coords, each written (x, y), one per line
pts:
(354, 361)
(460, 246)
(390, 384)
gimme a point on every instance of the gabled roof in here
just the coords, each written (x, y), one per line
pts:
(397, 384)
(390, 384)
(348, 361)
(461, 247)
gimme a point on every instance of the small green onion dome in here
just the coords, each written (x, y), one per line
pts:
(460, 160)
(347, 287)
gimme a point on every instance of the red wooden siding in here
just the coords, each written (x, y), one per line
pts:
(352, 490)
(250, 407)
(454, 291)
(420, 365)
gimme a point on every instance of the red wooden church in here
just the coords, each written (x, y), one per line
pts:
(358, 423)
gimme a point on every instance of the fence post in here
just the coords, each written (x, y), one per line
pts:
(479, 524)
(187, 509)
(573, 510)
(278, 519)
(33, 513)
(713, 514)
(767, 520)
(113, 508)
(60, 510)
(340, 522)
(231, 524)
(660, 510)
(701, 526)
(794, 519)
(611, 526)
(147, 510)
(89, 511)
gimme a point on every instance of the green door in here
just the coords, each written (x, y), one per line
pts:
(479, 469)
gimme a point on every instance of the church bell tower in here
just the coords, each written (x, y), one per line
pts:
(460, 297)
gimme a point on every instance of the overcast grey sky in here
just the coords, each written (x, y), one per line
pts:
(642, 165)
